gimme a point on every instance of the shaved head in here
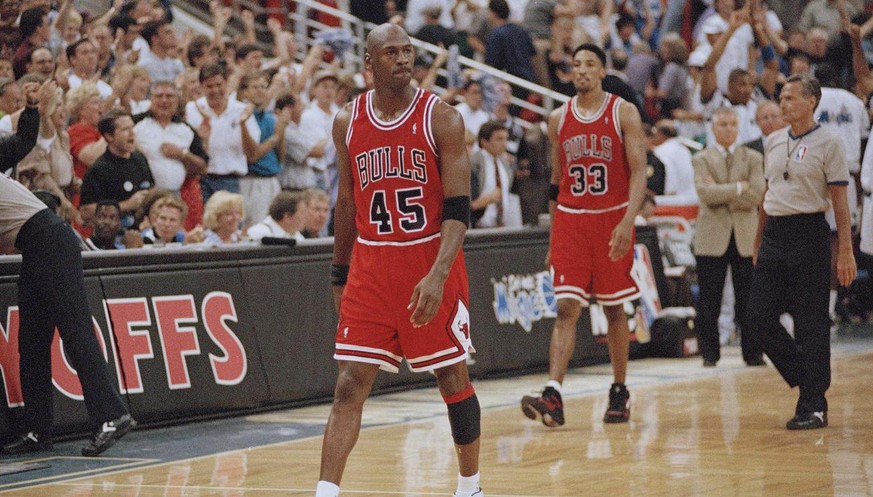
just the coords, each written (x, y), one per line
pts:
(389, 57)
(384, 33)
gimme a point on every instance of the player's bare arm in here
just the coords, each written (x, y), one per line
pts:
(555, 151)
(345, 231)
(635, 151)
(448, 133)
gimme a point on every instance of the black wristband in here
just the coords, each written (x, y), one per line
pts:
(553, 192)
(339, 274)
(457, 208)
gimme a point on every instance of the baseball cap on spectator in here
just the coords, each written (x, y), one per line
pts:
(325, 74)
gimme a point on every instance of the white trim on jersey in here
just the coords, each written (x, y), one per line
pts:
(569, 210)
(597, 115)
(427, 125)
(616, 118)
(417, 241)
(351, 122)
(396, 123)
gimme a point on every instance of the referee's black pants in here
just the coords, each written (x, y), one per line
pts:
(51, 293)
(793, 275)
(711, 274)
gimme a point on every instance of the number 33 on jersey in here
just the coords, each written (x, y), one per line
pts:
(395, 172)
(595, 172)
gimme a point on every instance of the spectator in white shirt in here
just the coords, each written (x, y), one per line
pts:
(679, 171)
(415, 10)
(300, 144)
(131, 45)
(83, 67)
(736, 52)
(317, 119)
(172, 148)
(217, 119)
(161, 61)
(288, 217)
(471, 108)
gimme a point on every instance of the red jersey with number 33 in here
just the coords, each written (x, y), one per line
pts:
(397, 185)
(594, 170)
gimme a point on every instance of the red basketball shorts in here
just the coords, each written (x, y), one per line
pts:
(581, 267)
(374, 324)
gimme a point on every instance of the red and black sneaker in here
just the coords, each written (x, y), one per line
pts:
(619, 404)
(548, 406)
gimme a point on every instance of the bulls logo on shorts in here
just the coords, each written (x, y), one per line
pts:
(461, 327)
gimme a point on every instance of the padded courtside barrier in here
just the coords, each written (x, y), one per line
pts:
(205, 331)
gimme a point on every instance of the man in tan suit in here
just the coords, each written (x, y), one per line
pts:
(729, 180)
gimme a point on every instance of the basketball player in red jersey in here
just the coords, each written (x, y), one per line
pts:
(398, 274)
(597, 140)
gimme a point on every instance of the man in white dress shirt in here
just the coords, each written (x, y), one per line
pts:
(220, 117)
(679, 171)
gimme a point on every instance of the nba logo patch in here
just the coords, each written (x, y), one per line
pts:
(801, 153)
(414, 128)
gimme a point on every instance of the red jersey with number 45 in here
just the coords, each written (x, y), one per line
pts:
(594, 171)
(397, 185)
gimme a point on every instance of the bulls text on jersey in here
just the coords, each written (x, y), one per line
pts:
(390, 162)
(587, 145)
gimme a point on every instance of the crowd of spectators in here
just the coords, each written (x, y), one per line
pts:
(148, 124)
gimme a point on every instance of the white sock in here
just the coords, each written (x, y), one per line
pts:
(832, 303)
(554, 384)
(328, 489)
(468, 484)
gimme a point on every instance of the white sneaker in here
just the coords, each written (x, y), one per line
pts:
(477, 493)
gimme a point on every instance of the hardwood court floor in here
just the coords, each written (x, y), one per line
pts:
(693, 432)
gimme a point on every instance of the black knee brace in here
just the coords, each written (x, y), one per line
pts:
(464, 417)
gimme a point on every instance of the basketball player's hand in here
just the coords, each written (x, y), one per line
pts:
(426, 299)
(620, 242)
